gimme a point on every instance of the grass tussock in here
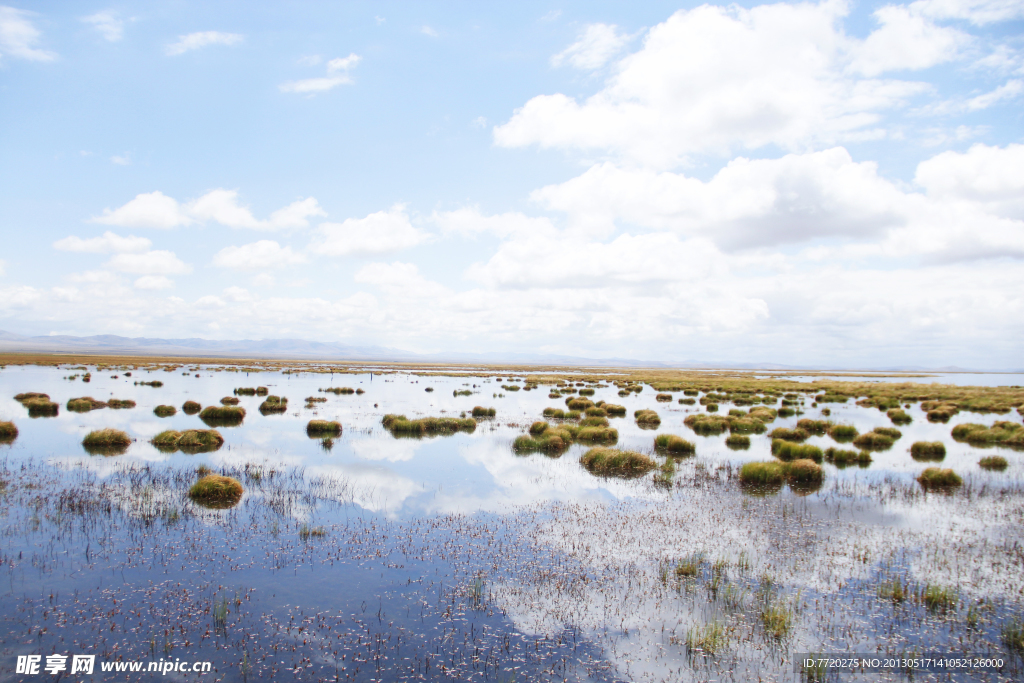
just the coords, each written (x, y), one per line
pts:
(616, 462)
(8, 432)
(165, 411)
(229, 401)
(875, 440)
(1001, 433)
(1013, 636)
(320, 428)
(789, 450)
(993, 462)
(425, 426)
(770, 473)
(674, 445)
(738, 442)
(223, 416)
(786, 434)
(190, 441)
(939, 598)
(191, 407)
(646, 418)
(746, 425)
(687, 401)
(120, 404)
(595, 421)
(711, 638)
(844, 458)
(804, 472)
(928, 450)
(338, 391)
(899, 416)
(614, 409)
(936, 478)
(106, 442)
(216, 491)
(274, 404)
(480, 411)
(37, 404)
(707, 425)
(84, 404)
(664, 398)
(818, 427)
(843, 433)
(574, 403)
(597, 434)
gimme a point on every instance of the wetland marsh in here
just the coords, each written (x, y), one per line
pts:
(398, 523)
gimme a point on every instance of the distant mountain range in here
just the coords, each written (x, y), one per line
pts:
(303, 349)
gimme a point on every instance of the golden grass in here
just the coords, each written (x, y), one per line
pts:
(674, 445)
(216, 416)
(274, 404)
(189, 441)
(400, 424)
(615, 462)
(165, 411)
(8, 432)
(106, 442)
(928, 450)
(936, 478)
(191, 407)
(216, 491)
(84, 404)
(319, 428)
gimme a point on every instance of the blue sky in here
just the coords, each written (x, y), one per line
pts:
(822, 183)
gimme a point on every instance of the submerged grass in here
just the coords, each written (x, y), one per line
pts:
(616, 462)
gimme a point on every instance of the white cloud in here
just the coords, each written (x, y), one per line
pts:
(153, 282)
(19, 37)
(257, 256)
(194, 41)
(597, 44)
(990, 176)
(400, 279)
(906, 40)
(158, 262)
(156, 210)
(469, 221)
(108, 24)
(337, 74)
(121, 159)
(1008, 91)
(978, 12)
(378, 233)
(427, 31)
(107, 243)
(712, 79)
(147, 210)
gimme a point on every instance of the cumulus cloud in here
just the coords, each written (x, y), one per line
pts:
(200, 39)
(978, 12)
(337, 74)
(470, 222)
(19, 37)
(153, 282)
(990, 176)
(108, 24)
(157, 210)
(257, 256)
(712, 79)
(906, 40)
(377, 233)
(107, 243)
(597, 44)
(157, 262)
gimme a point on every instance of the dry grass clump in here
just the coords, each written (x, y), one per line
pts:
(573, 403)
(993, 462)
(165, 411)
(8, 432)
(216, 491)
(737, 442)
(190, 441)
(804, 472)
(789, 450)
(120, 404)
(939, 412)
(844, 458)
(663, 397)
(225, 416)
(480, 411)
(338, 391)
(796, 435)
(597, 434)
(711, 407)
(646, 418)
(1001, 433)
(38, 405)
(401, 425)
(555, 413)
(274, 404)
(84, 404)
(936, 478)
(156, 384)
(770, 473)
(687, 401)
(318, 428)
(316, 399)
(595, 421)
(764, 414)
(614, 409)
(676, 445)
(878, 439)
(616, 462)
(899, 416)
(107, 442)
(191, 407)
(546, 438)
(928, 450)
(746, 425)
(229, 401)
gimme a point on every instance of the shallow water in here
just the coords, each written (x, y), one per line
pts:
(453, 557)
